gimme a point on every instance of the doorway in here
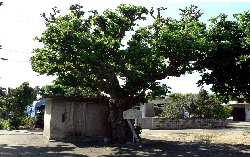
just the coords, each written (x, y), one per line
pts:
(239, 114)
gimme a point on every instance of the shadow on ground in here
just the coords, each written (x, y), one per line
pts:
(97, 148)
(170, 148)
(28, 151)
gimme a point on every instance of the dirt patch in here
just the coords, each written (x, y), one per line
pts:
(236, 139)
(239, 137)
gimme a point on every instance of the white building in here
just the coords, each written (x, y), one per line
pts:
(241, 111)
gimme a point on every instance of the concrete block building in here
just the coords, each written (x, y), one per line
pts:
(75, 117)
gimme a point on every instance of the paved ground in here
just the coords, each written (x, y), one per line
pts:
(23, 143)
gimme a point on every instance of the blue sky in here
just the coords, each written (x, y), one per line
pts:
(21, 21)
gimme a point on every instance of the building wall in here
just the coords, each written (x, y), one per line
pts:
(97, 120)
(247, 110)
(75, 118)
(159, 101)
(149, 110)
(57, 127)
(47, 119)
(181, 123)
(67, 118)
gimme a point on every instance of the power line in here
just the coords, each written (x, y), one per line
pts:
(7, 59)
(16, 51)
(31, 22)
(19, 16)
(19, 61)
(13, 15)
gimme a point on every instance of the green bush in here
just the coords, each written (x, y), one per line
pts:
(29, 122)
(177, 106)
(4, 124)
(224, 111)
(15, 122)
(26, 122)
(208, 106)
(197, 105)
(228, 111)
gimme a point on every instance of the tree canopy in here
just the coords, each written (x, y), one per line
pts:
(87, 51)
(227, 57)
(59, 90)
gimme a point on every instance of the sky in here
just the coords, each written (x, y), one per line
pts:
(20, 22)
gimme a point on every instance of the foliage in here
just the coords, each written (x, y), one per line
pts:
(197, 105)
(59, 90)
(88, 51)
(15, 122)
(26, 122)
(13, 103)
(208, 106)
(178, 103)
(4, 124)
(227, 57)
(29, 122)
(224, 111)
(172, 111)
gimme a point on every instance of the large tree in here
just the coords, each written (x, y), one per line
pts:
(87, 51)
(228, 57)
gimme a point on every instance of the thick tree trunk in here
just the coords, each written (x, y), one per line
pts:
(121, 132)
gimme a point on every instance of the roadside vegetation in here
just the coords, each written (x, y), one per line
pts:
(13, 104)
(201, 105)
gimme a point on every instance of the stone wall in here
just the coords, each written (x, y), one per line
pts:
(181, 123)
